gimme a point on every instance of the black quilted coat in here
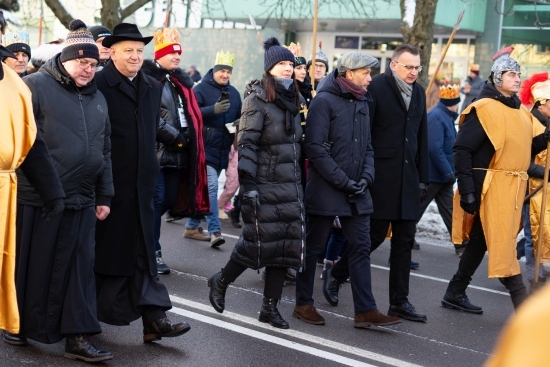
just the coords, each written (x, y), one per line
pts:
(274, 227)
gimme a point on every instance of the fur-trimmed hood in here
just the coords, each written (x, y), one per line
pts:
(154, 70)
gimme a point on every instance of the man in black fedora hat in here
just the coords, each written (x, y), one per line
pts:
(128, 286)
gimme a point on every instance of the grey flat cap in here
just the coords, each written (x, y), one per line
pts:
(355, 60)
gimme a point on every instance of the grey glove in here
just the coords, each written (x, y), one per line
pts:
(221, 106)
(52, 208)
(351, 187)
(468, 203)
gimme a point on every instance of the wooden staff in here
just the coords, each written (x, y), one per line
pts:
(530, 195)
(538, 247)
(258, 35)
(455, 29)
(313, 43)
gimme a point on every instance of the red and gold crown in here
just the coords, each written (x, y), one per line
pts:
(166, 42)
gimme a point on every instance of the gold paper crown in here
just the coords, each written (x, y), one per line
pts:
(541, 91)
(296, 49)
(166, 35)
(225, 58)
(449, 91)
(16, 36)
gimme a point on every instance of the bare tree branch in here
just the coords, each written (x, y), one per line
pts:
(60, 12)
(132, 8)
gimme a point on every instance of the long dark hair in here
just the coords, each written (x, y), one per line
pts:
(270, 84)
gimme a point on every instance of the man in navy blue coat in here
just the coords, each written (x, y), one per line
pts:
(441, 137)
(220, 104)
(341, 171)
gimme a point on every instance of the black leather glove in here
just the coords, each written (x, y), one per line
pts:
(450, 179)
(181, 141)
(351, 187)
(221, 106)
(250, 197)
(423, 191)
(52, 208)
(468, 203)
(363, 184)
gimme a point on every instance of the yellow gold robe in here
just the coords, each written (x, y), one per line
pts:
(17, 134)
(534, 212)
(511, 132)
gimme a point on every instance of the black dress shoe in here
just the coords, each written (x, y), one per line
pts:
(406, 311)
(163, 328)
(331, 287)
(460, 301)
(14, 339)
(80, 347)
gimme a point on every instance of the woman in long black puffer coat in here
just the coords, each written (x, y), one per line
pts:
(269, 173)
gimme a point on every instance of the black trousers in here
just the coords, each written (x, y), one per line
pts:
(443, 195)
(470, 261)
(403, 232)
(274, 278)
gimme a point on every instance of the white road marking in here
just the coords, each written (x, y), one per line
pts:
(324, 343)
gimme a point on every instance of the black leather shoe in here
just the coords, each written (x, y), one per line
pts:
(406, 311)
(460, 301)
(80, 347)
(218, 287)
(414, 265)
(14, 339)
(163, 328)
(290, 278)
(331, 287)
(271, 315)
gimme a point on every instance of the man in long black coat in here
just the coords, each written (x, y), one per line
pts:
(128, 286)
(401, 162)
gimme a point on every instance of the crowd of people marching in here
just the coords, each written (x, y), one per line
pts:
(98, 145)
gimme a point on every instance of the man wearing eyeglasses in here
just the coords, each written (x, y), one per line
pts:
(55, 271)
(401, 162)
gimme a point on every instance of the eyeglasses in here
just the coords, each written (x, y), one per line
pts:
(84, 64)
(410, 68)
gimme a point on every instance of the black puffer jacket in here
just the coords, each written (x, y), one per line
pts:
(336, 116)
(170, 126)
(75, 125)
(274, 229)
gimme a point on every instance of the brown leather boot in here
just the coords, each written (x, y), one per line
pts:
(374, 318)
(309, 314)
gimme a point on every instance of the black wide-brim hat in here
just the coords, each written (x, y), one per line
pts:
(125, 32)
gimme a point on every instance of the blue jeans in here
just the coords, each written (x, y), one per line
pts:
(212, 221)
(529, 249)
(166, 195)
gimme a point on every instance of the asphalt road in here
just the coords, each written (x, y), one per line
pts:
(236, 338)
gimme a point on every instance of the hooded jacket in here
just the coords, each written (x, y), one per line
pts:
(74, 123)
(441, 136)
(217, 139)
(274, 227)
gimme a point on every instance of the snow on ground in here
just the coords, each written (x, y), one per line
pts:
(431, 229)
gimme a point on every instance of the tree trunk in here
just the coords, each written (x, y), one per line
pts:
(110, 15)
(60, 12)
(421, 33)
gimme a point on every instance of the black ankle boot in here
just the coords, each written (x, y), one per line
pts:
(271, 315)
(459, 301)
(78, 346)
(234, 215)
(517, 289)
(218, 286)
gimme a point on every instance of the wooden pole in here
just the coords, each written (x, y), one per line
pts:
(538, 247)
(313, 43)
(40, 23)
(442, 58)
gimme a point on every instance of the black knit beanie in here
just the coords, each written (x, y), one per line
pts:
(275, 53)
(99, 31)
(79, 43)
